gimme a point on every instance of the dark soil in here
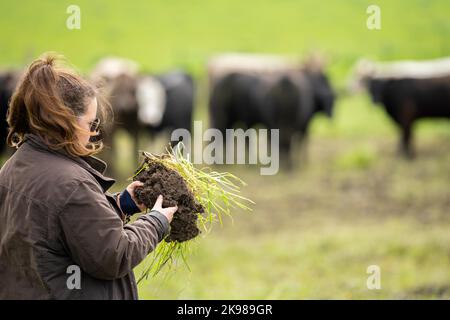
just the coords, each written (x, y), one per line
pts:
(160, 180)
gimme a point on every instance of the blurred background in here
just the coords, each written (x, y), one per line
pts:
(351, 199)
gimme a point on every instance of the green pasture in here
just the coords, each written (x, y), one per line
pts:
(353, 203)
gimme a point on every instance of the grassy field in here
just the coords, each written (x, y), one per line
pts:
(314, 231)
(354, 203)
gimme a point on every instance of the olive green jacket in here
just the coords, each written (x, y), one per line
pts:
(62, 235)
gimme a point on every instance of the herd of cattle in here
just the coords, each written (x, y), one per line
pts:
(248, 90)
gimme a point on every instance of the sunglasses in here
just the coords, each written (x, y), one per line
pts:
(94, 125)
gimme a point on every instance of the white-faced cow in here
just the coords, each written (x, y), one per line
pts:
(144, 102)
(408, 90)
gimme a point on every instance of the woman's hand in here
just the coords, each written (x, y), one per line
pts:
(131, 187)
(168, 212)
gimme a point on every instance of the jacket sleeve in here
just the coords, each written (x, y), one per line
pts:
(112, 198)
(98, 240)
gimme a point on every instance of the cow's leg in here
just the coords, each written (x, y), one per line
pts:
(304, 143)
(173, 143)
(229, 146)
(406, 123)
(285, 150)
(285, 155)
(405, 143)
(269, 139)
(136, 144)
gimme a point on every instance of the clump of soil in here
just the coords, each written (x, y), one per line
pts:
(157, 180)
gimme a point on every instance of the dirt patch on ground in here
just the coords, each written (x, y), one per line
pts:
(160, 180)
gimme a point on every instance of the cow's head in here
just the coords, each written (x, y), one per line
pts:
(376, 89)
(122, 91)
(323, 93)
(362, 72)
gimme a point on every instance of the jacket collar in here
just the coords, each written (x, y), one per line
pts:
(94, 165)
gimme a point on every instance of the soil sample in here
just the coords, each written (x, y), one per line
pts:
(157, 180)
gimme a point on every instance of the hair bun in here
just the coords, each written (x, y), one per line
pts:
(49, 60)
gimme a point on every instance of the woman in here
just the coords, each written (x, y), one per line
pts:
(62, 235)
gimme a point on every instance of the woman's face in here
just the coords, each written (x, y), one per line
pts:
(85, 121)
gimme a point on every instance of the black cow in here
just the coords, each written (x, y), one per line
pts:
(180, 95)
(285, 101)
(409, 99)
(177, 91)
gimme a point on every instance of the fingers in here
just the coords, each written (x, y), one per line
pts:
(134, 185)
(159, 202)
(168, 212)
(130, 188)
(171, 210)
